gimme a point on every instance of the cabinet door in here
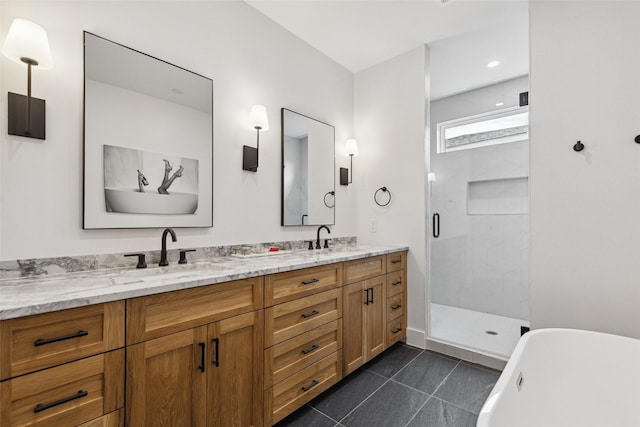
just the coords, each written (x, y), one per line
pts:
(166, 385)
(235, 371)
(375, 317)
(354, 298)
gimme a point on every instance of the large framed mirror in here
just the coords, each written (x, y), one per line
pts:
(148, 140)
(308, 174)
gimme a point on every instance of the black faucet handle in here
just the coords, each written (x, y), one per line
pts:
(183, 255)
(326, 243)
(142, 260)
(310, 245)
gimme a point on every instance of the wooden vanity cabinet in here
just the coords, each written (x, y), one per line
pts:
(364, 321)
(236, 354)
(207, 375)
(396, 306)
(64, 367)
(303, 337)
(375, 300)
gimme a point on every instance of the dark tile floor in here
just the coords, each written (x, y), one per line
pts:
(404, 386)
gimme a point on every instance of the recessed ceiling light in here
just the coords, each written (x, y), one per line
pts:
(493, 64)
(499, 104)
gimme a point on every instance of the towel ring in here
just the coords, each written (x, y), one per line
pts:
(333, 193)
(384, 190)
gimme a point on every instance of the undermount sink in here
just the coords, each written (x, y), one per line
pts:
(175, 271)
(260, 254)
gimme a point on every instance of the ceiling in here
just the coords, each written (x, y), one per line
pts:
(463, 35)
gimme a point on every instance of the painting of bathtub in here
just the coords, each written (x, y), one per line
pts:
(145, 182)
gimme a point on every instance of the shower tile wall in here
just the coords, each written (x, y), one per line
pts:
(480, 261)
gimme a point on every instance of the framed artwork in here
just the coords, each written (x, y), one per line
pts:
(148, 141)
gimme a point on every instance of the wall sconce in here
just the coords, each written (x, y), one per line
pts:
(27, 43)
(351, 147)
(257, 120)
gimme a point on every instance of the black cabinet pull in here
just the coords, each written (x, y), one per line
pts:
(310, 349)
(371, 293)
(310, 386)
(44, 406)
(396, 283)
(366, 297)
(308, 282)
(41, 341)
(395, 331)
(202, 348)
(216, 361)
(313, 313)
(395, 307)
(395, 261)
(436, 225)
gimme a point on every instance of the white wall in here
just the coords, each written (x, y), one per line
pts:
(585, 207)
(390, 130)
(251, 60)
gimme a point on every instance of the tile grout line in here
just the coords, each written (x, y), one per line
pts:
(322, 413)
(418, 411)
(445, 378)
(456, 406)
(365, 399)
(382, 385)
(481, 367)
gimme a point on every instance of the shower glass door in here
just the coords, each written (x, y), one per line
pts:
(479, 208)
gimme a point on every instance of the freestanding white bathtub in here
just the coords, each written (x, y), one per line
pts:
(567, 378)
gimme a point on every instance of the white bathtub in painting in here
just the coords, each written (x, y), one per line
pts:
(567, 378)
(132, 201)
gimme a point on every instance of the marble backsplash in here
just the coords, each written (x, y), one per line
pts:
(31, 267)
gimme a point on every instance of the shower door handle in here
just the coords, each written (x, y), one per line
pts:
(436, 225)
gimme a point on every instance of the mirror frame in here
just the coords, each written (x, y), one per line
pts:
(333, 171)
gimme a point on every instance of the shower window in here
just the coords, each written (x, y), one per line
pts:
(495, 127)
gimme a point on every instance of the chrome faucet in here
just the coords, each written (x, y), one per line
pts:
(163, 252)
(318, 236)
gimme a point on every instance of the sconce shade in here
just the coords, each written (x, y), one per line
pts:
(351, 147)
(28, 40)
(258, 118)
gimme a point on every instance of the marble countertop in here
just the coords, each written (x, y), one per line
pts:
(42, 294)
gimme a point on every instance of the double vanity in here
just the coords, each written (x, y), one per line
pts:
(223, 342)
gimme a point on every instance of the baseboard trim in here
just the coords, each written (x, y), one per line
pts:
(416, 338)
(484, 359)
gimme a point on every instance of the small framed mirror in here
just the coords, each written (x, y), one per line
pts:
(308, 170)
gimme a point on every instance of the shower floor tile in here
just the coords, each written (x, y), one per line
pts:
(469, 328)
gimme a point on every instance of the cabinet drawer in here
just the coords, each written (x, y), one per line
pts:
(396, 282)
(396, 261)
(36, 342)
(395, 307)
(360, 269)
(287, 320)
(163, 314)
(291, 285)
(112, 419)
(288, 395)
(288, 357)
(65, 395)
(395, 331)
